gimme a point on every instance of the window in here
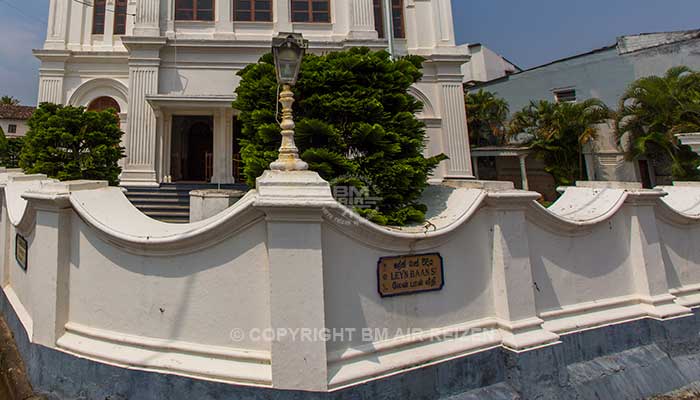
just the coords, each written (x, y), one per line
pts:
(252, 10)
(311, 11)
(98, 17)
(104, 103)
(397, 16)
(12, 128)
(565, 96)
(120, 17)
(194, 10)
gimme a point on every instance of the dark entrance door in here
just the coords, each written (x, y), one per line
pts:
(192, 148)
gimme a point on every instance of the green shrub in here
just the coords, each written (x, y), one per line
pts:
(70, 143)
(653, 111)
(356, 127)
(559, 132)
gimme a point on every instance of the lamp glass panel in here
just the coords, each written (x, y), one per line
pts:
(287, 62)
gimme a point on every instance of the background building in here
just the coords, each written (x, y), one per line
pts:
(485, 65)
(169, 68)
(13, 119)
(604, 74)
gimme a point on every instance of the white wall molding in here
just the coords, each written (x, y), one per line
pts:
(122, 289)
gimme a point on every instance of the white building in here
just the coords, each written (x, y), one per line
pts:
(604, 74)
(13, 120)
(485, 65)
(170, 68)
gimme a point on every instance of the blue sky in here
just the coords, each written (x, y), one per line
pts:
(528, 33)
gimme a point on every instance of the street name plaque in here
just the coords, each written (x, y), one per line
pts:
(21, 251)
(410, 274)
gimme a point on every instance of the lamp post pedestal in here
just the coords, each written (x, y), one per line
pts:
(288, 159)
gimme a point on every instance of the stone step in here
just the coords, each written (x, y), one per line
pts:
(159, 200)
(170, 202)
(168, 214)
(155, 193)
(164, 208)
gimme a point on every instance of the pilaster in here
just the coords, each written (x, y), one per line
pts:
(362, 20)
(144, 65)
(444, 23)
(223, 147)
(108, 37)
(283, 16)
(147, 20)
(51, 75)
(224, 17)
(513, 285)
(646, 259)
(49, 264)
(57, 30)
(455, 130)
(293, 204)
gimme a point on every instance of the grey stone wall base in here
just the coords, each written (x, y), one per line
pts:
(634, 360)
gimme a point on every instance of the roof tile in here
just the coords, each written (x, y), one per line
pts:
(15, 112)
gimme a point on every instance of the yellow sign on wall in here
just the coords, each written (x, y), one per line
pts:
(21, 251)
(410, 274)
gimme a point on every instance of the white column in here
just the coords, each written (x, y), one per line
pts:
(160, 145)
(147, 21)
(444, 23)
(420, 25)
(167, 146)
(57, 30)
(454, 130)
(224, 17)
(523, 171)
(144, 64)
(590, 166)
(283, 16)
(362, 20)
(108, 37)
(223, 147)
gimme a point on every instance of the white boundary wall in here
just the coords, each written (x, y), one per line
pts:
(107, 283)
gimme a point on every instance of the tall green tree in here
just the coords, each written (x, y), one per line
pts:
(10, 149)
(653, 111)
(10, 158)
(356, 127)
(3, 146)
(70, 143)
(487, 117)
(9, 100)
(559, 132)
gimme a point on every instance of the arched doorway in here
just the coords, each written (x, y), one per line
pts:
(104, 103)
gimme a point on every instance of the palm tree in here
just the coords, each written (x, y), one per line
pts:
(653, 111)
(9, 100)
(486, 117)
(559, 132)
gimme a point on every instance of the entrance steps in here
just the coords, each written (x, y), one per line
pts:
(171, 201)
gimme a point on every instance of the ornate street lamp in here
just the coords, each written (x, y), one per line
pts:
(288, 50)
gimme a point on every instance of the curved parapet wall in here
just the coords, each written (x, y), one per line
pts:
(126, 290)
(679, 224)
(284, 290)
(117, 221)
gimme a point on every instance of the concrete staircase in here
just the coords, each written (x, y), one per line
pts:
(171, 201)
